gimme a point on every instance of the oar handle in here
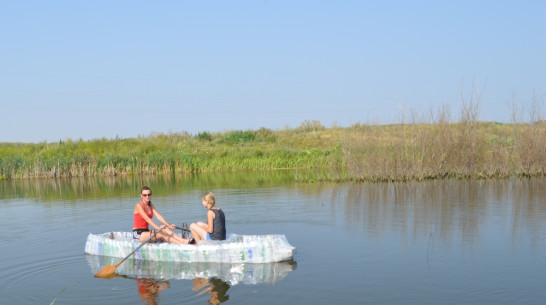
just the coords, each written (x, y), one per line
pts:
(142, 244)
(183, 229)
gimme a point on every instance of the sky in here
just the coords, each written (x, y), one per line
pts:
(122, 69)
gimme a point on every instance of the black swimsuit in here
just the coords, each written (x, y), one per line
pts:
(219, 225)
(138, 232)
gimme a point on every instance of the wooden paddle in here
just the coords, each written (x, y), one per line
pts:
(109, 271)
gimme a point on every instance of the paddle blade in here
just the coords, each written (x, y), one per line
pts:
(107, 272)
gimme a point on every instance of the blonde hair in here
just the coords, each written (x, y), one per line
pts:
(209, 197)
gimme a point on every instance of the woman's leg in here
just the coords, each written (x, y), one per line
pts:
(166, 235)
(169, 236)
(198, 231)
(145, 235)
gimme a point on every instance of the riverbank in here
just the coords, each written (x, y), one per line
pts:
(359, 153)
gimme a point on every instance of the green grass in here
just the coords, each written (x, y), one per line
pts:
(166, 153)
(358, 153)
(53, 302)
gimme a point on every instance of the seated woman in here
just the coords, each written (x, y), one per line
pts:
(215, 228)
(143, 213)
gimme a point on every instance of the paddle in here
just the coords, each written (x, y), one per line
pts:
(185, 232)
(183, 229)
(109, 271)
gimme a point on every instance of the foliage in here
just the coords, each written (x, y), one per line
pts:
(404, 151)
(461, 150)
(163, 153)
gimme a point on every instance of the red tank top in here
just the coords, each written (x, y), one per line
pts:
(139, 222)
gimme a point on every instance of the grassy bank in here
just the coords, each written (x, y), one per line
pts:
(301, 147)
(404, 151)
(428, 151)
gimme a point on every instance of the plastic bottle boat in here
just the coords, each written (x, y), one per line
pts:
(235, 249)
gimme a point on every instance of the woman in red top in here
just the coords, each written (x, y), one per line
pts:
(143, 213)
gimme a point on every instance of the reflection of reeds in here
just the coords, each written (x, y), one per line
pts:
(73, 189)
(444, 207)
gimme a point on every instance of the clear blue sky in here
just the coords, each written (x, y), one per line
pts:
(93, 69)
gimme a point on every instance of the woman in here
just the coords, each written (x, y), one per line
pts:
(215, 228)
(142, 218)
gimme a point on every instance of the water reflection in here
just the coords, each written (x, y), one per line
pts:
(411, 238)
(213, 279)
(233, 273)
(124, 186)
(149, 289)
(215, 287)
(442, 207)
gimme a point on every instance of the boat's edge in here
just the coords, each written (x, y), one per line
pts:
(237, 249)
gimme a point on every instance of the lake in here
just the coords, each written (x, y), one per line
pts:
(432, 242)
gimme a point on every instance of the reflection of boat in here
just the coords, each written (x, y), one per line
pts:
(235, 249)
(232, 273)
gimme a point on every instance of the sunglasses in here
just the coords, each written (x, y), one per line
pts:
(147, 195)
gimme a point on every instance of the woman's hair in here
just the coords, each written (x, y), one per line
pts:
(209, 197)
(145, 188)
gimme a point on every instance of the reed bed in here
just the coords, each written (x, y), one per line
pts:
(404, 151)
(437, 148)
(460, 150)
(169, 153)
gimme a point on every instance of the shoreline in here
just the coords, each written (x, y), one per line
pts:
(396, 152)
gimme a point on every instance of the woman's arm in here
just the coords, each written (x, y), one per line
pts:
(160, 217)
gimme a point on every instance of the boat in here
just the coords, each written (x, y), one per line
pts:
(232, 273)
(235, 249)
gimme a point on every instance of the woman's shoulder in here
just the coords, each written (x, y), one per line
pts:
(213, 210)
(217, 209)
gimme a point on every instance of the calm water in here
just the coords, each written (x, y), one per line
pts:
(439, 242)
